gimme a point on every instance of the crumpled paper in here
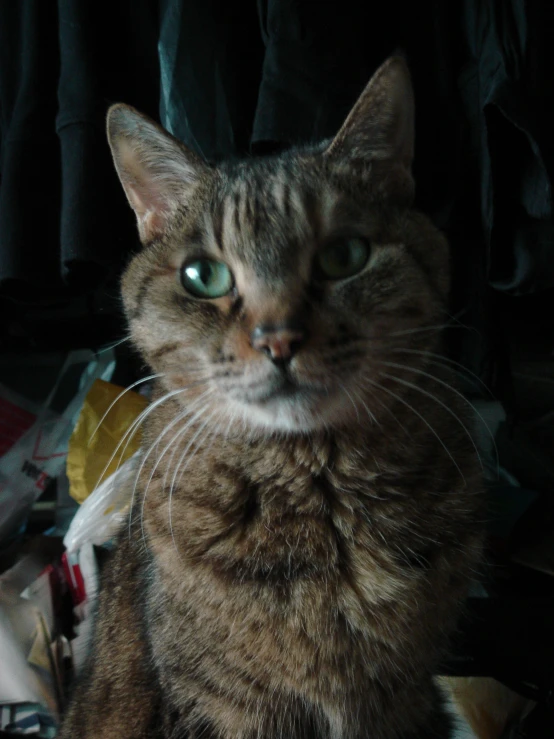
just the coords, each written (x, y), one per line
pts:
(35, 450)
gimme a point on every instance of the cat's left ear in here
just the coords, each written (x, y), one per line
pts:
(157, 172)
(379, 131)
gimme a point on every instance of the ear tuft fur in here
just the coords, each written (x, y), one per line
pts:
(157, 172)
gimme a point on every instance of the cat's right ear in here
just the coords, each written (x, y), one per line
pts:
(157, 172)
(379, 131)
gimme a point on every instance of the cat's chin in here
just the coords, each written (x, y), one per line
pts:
(278, 417)
(301, 412)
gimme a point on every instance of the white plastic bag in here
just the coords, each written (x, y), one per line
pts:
(104, 511)
(40, 453)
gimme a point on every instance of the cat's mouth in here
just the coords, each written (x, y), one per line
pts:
(285, 388)
(286, 403)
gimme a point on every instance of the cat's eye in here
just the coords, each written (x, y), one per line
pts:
(342, 258)
(206, 278)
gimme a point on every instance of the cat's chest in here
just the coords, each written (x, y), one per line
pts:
(281, 527)
(277, 531)
(296, 601)
(289, 579)
(280, 538)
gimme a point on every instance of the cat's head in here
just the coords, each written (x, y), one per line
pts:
(275, 288)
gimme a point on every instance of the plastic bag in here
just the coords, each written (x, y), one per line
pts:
(102, 438)
(39, 454)
(104, 511)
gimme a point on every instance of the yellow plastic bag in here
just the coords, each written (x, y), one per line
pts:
(91, 447)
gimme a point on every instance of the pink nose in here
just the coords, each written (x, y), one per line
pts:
(280, 343)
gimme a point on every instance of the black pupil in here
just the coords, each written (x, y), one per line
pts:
(205, 272)
(342, 257)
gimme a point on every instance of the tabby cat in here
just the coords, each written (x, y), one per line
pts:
(306, 515)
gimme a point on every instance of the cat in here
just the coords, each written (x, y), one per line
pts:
(307, 514)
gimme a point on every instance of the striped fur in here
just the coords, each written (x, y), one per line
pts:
(296, 560)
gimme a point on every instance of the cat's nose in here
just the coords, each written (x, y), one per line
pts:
(280, 343)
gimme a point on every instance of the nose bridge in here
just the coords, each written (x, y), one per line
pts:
(278, 325)
(274, 308)
(275, 317)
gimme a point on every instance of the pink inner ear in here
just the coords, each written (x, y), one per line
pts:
(146, 196)
(150, 208)
(152, 224)
(157, 172)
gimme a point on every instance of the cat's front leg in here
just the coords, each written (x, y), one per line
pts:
(437, 722)
(117, 697)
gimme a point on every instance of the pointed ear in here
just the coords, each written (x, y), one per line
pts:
(380, 126)
(157, 172)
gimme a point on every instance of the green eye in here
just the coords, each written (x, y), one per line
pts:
(206, 278)
(342, 259)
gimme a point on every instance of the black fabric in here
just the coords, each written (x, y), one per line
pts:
(63, 219)
(108, 52)
(229, 77)
(210, 56)
(317, 62)
(30, 172)
(508, 99)
(234, 78)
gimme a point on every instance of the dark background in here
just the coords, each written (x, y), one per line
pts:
(232, 78)
(235, 78)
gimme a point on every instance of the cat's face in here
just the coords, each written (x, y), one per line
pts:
(276, 289)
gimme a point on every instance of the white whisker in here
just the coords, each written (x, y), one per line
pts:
(423, 329)
(131, 431)
(441, 358)
(175, 439)
(165, 430)
(146, 455)
(154, 445)
(385, 407)
(437, 400)
(345, 391)
(372, 416)
(170, 499)
(112, 346)
(121, 394)
(425, 421)
(185, 452)
(460, 395)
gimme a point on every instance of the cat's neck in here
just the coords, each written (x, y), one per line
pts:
(194, 446)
